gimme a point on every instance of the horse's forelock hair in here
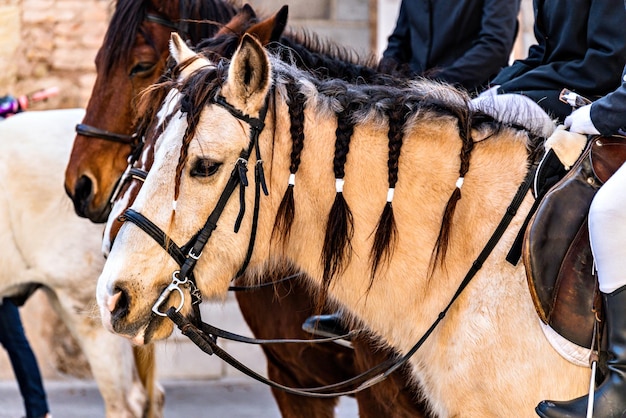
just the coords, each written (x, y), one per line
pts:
(197, 90)
(126, 19)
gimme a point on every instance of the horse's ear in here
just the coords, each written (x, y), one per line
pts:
(183, 54)
(249, 76)
(239, 23)
(271, 29)
(179, 49)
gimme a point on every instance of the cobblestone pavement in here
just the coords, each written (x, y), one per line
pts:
(232, 398)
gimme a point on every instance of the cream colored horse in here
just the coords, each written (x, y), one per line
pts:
(488, 357)
(43, 241)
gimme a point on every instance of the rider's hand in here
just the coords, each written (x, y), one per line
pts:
(492, 91)
(580, 121)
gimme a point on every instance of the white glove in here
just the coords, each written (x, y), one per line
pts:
(490, 92)
(580, 121)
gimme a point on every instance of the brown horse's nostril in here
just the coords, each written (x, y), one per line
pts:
(82, 195)
(118, 304)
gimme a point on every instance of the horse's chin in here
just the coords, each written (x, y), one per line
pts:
(157, 329)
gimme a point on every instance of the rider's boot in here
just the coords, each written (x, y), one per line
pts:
(610, 396)
(331, 325)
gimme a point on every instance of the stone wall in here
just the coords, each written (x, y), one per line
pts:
(52, 43)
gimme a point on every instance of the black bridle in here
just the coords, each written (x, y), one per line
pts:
(187, 255)
(205, 336)
(133, 139)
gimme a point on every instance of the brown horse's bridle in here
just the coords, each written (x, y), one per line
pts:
(205, 335)
(134, 140)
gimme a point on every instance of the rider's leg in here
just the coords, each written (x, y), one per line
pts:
(23, 360)
(607, 229)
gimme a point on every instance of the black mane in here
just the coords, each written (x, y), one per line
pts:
(130, 14)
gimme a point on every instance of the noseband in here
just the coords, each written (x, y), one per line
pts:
(188, 255)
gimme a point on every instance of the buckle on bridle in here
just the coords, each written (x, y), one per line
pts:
(174, 286)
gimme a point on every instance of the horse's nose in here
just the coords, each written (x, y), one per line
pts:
(82, 195)
(118, 304)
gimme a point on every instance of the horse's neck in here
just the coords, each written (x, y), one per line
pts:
(428, 172)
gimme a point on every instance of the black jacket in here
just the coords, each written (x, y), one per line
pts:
(581, 45)
(457, 41)
(608, 114)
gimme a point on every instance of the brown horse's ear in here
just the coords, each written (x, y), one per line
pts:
(249, 77)
(239, 23)
(271, 29)
(183, 54)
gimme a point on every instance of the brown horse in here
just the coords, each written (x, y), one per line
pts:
(442, 177)
(132, 56)
(101, 163)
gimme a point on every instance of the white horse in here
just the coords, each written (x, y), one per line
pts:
(488, 357)
(43, 241)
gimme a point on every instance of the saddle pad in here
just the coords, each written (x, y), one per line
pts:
(557, 253)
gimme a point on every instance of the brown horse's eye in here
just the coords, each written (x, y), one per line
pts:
(204, 168)
(142, 68)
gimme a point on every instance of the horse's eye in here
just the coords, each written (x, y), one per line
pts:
(204, 168)
(142, 68)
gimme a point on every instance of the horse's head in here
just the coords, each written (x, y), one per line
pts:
(222, 44)
(132, 57)
(202, 149)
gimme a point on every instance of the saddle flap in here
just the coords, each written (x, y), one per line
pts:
(557, 256)
(557, 253)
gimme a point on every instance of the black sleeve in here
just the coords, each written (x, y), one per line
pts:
(491, 50)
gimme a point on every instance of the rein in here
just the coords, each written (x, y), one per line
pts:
(205, 336)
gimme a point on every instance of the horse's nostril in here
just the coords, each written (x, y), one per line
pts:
(82, 194)
(112, 302)
(118, 304)
(83, 188)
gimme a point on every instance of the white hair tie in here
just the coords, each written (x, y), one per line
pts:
(292, 179)
(459, 182)
(390, 193)
(339, 185)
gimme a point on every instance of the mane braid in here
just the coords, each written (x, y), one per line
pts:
(337, 248)
(441, 245)
(286, 210)
(385, 236)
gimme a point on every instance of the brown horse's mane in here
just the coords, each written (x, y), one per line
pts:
(352, 104)
(129, 15)
(308, 51)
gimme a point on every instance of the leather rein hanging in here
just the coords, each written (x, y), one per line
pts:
(205, 336)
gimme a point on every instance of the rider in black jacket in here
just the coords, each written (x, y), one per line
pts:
(461, 42)
(581, 45)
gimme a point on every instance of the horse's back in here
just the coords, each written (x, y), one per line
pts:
(38, 218)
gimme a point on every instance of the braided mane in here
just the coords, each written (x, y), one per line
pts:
(398, 106)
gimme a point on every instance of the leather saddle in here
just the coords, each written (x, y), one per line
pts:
(556, 250)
